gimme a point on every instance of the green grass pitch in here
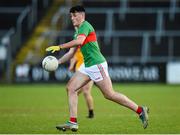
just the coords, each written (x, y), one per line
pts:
(38, 108)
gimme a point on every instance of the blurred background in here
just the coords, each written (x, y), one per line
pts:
(139, 38)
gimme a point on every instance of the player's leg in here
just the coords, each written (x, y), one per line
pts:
(89, 99)
(105, 85)
(77, 81)
(106, 88)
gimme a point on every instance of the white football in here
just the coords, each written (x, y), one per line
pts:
(50, 63)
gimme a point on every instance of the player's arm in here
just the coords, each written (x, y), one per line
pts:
(67, 56)
(79, 41)
(72, 64)
(73, 43)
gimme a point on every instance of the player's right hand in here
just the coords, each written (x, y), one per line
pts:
(53, 48)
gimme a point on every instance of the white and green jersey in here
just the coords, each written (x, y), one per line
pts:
(90, 48)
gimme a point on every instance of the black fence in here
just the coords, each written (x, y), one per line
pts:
(122, 72)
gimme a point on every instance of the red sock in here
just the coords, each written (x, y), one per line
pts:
(139, 110)
(73, 119)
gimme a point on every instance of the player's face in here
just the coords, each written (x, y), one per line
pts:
(77, 18)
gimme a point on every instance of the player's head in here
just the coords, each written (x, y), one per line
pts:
(77, 14)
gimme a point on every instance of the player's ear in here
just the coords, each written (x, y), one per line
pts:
(83, 14)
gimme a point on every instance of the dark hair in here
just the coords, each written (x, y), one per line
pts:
(77, 8)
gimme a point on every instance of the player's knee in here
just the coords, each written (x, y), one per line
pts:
(109, 95)
(86, 93)
(70, 88)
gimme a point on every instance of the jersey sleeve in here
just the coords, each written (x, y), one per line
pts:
(83, 30)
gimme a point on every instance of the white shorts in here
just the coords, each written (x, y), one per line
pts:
(95, 71)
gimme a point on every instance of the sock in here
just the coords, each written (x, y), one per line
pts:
(91, 112)
(73, 119)
(139, 110)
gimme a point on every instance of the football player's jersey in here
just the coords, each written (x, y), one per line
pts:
(90, 48)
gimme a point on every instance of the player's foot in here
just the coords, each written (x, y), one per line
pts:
(68, 126)
(90, 116)
(144, 116)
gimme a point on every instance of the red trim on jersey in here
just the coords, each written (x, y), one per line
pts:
(101, 69)
(90, 38)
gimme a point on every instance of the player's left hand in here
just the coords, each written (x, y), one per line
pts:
(53, 48)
